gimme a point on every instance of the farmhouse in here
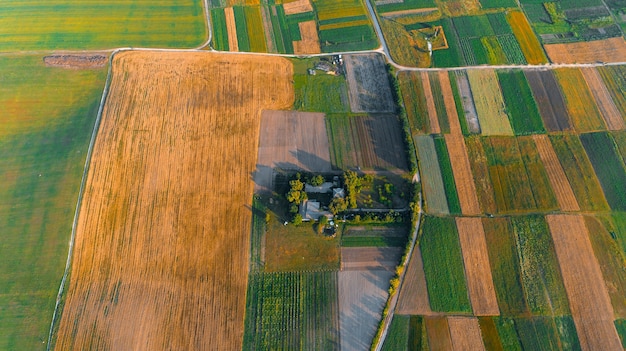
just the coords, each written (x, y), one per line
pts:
(311, 210)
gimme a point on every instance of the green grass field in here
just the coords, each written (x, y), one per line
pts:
(85, 24)
(46, 119)
(219, 40)
(443, 265)
(414, 101)
(319, 93)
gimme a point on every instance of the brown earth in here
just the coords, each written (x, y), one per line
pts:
(438, 333)
(161, 252)
(561, 186)
(413, 298)
(291, 140)
(231, 29)
(298, 6)
(465, 334)
(607, 50)
(448, 98)
(609, 111)
(368, 84)
(402, 13)
(549, 99)
(310, 43)
(477, 269)
(463, 177)
(368, 258)
(469, 109)
(589, 300)
(430, 103)
(76, 61)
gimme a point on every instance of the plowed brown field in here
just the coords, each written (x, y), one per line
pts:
(589, 300)
(462, 171)
(477, 269)
(438, 333)
(465, 334)
(562, 189)
(413, 297)
(607, 50)
(161, 251)
(430, 103)
(612, 117)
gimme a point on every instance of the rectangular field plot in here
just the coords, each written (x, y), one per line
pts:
(467, 99)
(612, 117)
(62, 24)
(583, 283)
(293, 141)
(163, 234)
(46, 120)
(480, 170)
(528, 42)
(549, 100)
(489, 102)
(614, 78)
(413, 298)
(608, 166)
(432, 182)
(581, 106)
(561, 186)
(370, 142)
(447, 176)
(463, 178)
(579, 172)
(368, 84)
(520, 105)
(443, 265)
(415, 102)
(465, 333)
(292, 310)
(607, 50)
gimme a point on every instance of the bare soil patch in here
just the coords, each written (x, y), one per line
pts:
(549, 99)
(231, 29)
(370, 258)
(609, 111)
(291, 140)
(368, 85)
(413, 297)
(298, 6)
(561, 186)
(438, 333)
(588, 297)
(468, 104)
(463, 177)
(430, 103)
(161, 252)
(465, 334)
(76, 61)
(477, 269)
(310, 43)
(607, 50)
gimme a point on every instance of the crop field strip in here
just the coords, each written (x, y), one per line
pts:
(581, 106)
(413, 298)
(47, 115)
(489, 102)
(611, 261)
(607, 50)
(608, 166)
(520, 104)
(549, 99)
(579, 172)
(469, 108)
(526, 38)
(447, 176)
(614, 78)
(443, 266)
(583, 282)
(465, 333)
(415, 102)
(292, 310)
(438, 333)
(561, 186)
(430, 103)
(440, 105)
(27, 26)
(231, 29)
(432, 182)
(449, 103)
(477, 269)
(463, 178)
(166, 276)
(480, 170)
(612, 117)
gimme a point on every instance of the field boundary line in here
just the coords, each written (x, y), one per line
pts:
(207, 22)
(68, 262)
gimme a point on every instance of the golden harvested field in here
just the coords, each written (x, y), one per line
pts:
(413, 297)
(489, 102)
(298, 6)
(562, 189)
(607, 50)
(438, 333)
(477, 269)
(231, 29)
(465, 334)
(478, 162)
(310, 43)
(462, 171)
(581, 106)
(589, 300)
(609, 111)
(430, 103)
(161, 251)
(448, 98)
(526, 38)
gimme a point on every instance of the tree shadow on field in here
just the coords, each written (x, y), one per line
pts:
(311, 162)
